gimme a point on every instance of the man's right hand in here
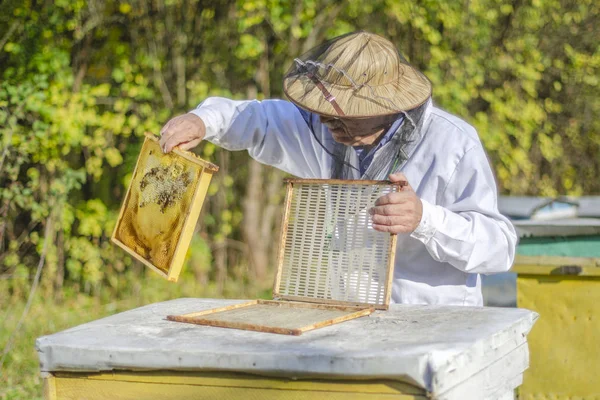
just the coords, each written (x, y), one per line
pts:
(185, 131)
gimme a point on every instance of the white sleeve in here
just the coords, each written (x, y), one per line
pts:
(272, 131)
(467, 230)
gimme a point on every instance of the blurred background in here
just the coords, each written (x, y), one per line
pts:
(81, 81)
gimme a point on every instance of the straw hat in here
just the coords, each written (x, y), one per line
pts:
(357, 75)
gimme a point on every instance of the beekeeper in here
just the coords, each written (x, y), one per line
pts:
(359, 110)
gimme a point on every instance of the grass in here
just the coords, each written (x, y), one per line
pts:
(20, 376)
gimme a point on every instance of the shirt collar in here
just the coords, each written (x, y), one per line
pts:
(360, 150)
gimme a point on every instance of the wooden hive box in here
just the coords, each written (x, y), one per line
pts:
(332, 265)
(161, 207)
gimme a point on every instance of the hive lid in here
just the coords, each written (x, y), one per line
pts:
(329, 251)
(161, 207)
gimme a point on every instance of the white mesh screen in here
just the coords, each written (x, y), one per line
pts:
(331, 251)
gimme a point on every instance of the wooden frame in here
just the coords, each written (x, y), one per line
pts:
(284, 227)
(352, 313)
(400, 184)
(206, 170)
(352, 309)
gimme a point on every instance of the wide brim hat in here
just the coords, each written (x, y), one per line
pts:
(357, 75)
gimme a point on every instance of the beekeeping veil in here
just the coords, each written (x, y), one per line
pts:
(362, 75)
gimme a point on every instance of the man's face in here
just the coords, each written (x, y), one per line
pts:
(358, 132)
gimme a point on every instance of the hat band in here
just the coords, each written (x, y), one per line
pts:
(328, 96)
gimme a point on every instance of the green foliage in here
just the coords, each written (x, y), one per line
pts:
(81, 81)
(59, 142)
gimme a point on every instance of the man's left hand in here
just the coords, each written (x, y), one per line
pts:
(398, 212)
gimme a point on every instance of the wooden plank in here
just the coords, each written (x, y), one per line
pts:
(343, 181)
(297, 304)
(391, 261)
(557, 261)
(191, 219)
(274, 317)
(284, 227)
(564, 270)
(552, 265)
(212, 310)
(247, 381)
(49, 386)
(138, 257)
(329, 301)
(390, 271)
(188, 155)
(77, 389)
(125, 200)
(337, 320)
(242, 326)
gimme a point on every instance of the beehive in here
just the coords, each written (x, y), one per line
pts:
(161, 207)
(332, 265)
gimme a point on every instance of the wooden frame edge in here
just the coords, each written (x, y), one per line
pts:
(337, 320)
(192, 318)
(311, 300)
(321, 306)
(344, 181)
(390, 270)
(242, 380)
(391, 252)
(138, 258)
(49, 386)
(188, 155)
(206, 171)
(282, 238)
(557, 261)
(127, 193)
(246, 327)
(191, 220)
(212, 310)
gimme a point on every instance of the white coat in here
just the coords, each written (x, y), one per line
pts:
(461, 233)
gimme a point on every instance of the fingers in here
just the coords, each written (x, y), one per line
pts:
(185, 131)
(387, 220)
(389, 209)
(399, 178)
(393, 223)
(181, 137)
(393, 215)
(393, 198)
(165, 128)
(397, 212)
(190, 145)
(169, 129)
(397, 221)
(395, 229)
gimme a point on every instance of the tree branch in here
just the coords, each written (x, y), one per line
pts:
(8, 34)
